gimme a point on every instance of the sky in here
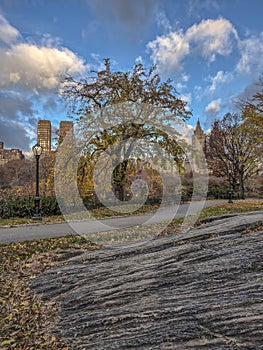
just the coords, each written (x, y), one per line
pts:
(211, 49)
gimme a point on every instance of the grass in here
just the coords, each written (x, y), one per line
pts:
(97, 213)
(103, 212)
(217, 210)
(26, 321)
(231, 208)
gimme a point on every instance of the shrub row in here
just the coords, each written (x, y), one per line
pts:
(25, 207)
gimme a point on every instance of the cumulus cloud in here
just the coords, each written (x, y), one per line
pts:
(213, 108)
(30, 74)
(208, 39)
(212, 37)
(168, 51)
(30, 67)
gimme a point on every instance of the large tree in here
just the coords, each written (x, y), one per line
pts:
(113, 109)
(233, 151)
(252, 112)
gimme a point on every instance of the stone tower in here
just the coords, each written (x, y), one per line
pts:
(199, 134)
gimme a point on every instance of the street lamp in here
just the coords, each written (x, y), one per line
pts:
(230, 188)
(37, 150)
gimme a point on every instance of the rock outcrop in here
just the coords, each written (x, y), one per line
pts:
(201, 289)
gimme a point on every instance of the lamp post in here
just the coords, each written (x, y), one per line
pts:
(230, 188)
(37, 150)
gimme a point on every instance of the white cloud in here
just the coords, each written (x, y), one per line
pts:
(219, 79)
(185, 77)
(182, 80)
(139, 59)
(208, 38)
(8, 34)
(198, 93)
(212, 37)
(29, 72)
(251, 50)
(213, 108)
(169, 50)
(29, 67)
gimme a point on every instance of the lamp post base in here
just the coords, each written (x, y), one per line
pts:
(37, 217)
(230, 198)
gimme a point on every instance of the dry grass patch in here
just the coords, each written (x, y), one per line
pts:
(26, 321)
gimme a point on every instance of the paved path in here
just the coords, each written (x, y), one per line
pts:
(52, 230)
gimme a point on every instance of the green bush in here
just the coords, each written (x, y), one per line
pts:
(49, 206)
(25, 207)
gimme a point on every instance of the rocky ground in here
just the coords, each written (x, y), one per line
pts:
(201, 289)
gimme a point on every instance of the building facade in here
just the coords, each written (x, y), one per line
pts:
(64, 128)
(7, 155)
(44, 135)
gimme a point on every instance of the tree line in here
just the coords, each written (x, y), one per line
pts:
(114, 109)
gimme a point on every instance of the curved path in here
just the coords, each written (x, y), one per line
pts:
(52, 230)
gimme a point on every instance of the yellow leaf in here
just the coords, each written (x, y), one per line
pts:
(10, 317)
(7, 342)
(32, 277)
(25, 303)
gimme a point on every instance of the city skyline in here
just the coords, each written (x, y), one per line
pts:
(43, 138)
(211, 49)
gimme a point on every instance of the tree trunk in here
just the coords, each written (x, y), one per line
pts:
(241, 187)
(119, 180)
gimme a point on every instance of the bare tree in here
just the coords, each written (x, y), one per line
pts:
(233, 151)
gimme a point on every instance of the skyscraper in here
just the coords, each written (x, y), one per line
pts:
(64, 128)
(44, 135)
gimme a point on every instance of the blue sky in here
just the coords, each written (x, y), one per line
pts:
(211, 49)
